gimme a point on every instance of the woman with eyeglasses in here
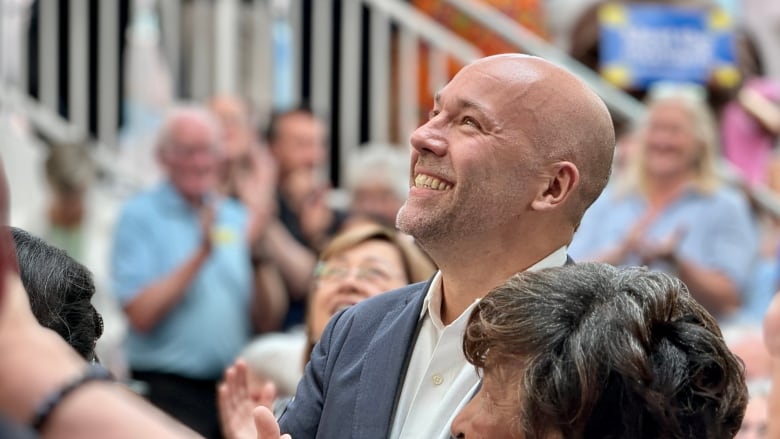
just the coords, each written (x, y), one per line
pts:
(359, 263)
(362, 261)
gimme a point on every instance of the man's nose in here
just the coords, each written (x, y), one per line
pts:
(429, 138)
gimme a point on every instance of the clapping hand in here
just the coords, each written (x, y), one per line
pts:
(238, 405)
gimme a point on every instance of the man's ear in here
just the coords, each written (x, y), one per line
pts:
(560, 183)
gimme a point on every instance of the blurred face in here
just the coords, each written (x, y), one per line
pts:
(377, 199)
(360, 272)
(754, 422)
(191, 158)
(671, 146)
(473, 167)
(299, 143)
(492, 413)
(234, 121)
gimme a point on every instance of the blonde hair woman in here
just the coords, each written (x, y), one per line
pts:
(362, 261)
(671, 211)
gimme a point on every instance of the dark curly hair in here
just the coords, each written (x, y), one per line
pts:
(60, 290)
(604, 352)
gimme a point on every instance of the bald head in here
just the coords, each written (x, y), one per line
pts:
(514, 144)
(564, 119)
(190, 150)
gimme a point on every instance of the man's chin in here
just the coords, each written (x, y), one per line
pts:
(402, 219)
(413, 222)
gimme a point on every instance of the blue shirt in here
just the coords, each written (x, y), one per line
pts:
(157, 231)
(717, 230)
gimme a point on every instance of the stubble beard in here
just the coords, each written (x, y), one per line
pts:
(441, 227)
(427, 226)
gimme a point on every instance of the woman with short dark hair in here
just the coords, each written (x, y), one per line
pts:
(60, 291)
(591, 351)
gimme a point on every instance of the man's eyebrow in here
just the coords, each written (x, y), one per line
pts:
(465, 103)
(471, 105)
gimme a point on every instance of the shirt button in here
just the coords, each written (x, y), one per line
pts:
(437, 379)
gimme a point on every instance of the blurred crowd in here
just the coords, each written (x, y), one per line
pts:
(245, 250)
(239, 239)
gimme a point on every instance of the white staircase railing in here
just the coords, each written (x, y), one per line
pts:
(229, 46)
(356, 62)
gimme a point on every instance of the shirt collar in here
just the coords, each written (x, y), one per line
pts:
(432, 302)
(554, 259)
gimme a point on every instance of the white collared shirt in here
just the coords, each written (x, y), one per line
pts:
(439, 381)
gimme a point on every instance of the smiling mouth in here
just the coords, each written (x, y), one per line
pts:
(429, 182)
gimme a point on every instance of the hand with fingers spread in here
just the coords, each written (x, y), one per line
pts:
(631, 243)
(236, 400)
(257, 191)
(635, 241)
(267, 427)
(664, 250)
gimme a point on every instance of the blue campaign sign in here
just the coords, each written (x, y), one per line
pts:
(642, 44)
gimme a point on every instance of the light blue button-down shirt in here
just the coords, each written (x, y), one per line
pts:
(717, 230)
(156, 232)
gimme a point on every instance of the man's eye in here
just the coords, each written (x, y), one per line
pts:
(468, 120)
(432, 114)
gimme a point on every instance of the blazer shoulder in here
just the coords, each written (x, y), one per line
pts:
(382, 302)
(362, 320)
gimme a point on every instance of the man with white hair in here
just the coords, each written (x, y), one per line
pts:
(181, 270)
(378, 180)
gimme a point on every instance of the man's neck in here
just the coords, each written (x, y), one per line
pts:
(466, 279)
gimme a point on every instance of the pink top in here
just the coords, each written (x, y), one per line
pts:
(746, 144)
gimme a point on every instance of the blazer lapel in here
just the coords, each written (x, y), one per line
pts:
(384, 367)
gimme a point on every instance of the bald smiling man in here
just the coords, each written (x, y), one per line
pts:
(514, 151)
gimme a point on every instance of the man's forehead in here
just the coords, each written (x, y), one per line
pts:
(484, 94)
(191, 131)
(479, 83)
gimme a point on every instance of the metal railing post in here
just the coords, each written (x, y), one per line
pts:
(78, 62)
(108, 72)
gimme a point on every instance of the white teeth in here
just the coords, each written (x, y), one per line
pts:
(428, 182)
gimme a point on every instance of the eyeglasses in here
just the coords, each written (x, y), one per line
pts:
(371, 274)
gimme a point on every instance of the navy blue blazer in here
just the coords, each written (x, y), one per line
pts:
(352, 383)
(350, 386)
